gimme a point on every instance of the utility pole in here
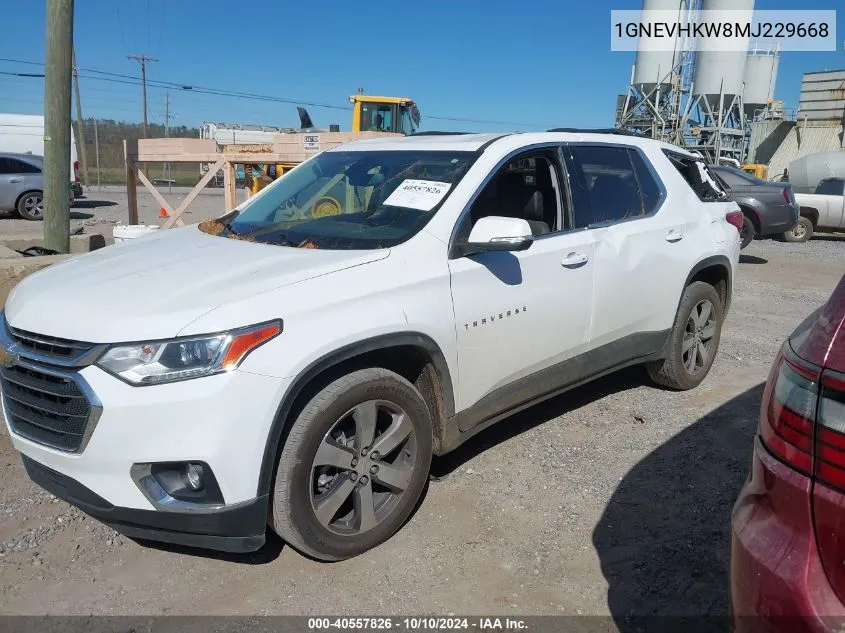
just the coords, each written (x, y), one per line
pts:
(57, 89)
(97, 152)
(80, 127)
(143, 59)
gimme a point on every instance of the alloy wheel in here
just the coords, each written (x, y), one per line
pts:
(799, 231)
(697, 342)
(34, 205)
(362, 467)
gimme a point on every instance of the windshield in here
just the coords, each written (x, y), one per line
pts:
(351, 200)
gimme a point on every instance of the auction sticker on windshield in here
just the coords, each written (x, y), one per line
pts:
(418, 194)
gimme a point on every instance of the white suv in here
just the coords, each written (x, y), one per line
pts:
(299, 360)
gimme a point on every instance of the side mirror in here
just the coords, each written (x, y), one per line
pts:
(495, 233)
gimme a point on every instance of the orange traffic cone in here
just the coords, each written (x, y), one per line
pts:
(163, 213)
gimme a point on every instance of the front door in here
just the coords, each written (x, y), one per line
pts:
(520, 313)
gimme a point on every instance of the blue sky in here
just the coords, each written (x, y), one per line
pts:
(531, 63)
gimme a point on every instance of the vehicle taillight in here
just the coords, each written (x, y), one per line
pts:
(76, 171)
(830, 435)
(787, 195)
(735, 218)
(786, 427)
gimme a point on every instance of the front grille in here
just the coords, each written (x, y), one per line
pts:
(50, 346)
(45, 407)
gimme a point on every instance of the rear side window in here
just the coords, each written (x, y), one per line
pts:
(14, 166)
(830, 187)
(609, 184)
(698, 176)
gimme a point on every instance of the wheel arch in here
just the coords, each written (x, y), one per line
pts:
(811, 213)
(716, 271)
(26, 192)
(427, 370)
(752, 214)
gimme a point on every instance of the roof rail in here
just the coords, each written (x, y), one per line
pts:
(437, 133)
(609, 130)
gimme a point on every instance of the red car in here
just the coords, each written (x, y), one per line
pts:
(788, 525)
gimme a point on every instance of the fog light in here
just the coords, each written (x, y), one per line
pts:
(193, 476)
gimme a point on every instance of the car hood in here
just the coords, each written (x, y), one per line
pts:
(152, 287)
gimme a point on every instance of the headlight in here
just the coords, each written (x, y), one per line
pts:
(182, 358)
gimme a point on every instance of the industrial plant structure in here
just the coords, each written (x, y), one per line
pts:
(696, 96)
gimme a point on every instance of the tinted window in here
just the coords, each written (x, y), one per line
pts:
(734, 177)
(15, 166)
(699, 177)
(604, 185)
(830, 187)
(649, 189)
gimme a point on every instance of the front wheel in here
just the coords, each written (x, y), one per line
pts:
(801, 232)
(31, 206)
(694, 339)
(353, 466)
(746, 234)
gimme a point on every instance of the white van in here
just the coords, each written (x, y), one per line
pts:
(24, 134)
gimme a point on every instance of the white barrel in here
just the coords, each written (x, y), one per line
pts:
(124, 232)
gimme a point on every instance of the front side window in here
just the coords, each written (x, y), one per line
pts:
(352, 200)
(377, 117)
(604, 185)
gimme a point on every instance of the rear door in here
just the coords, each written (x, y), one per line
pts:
(641, 259)
(834, 190)
(11, 182)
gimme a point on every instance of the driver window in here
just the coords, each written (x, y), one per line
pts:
(377, 117)
(526, 187)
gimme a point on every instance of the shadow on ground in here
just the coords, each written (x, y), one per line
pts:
(267, 554)
(663, 537)
(752, 259)
(91, 204)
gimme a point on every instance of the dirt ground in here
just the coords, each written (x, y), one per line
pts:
(613, 499)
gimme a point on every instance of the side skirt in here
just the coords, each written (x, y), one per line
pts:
(552, 381)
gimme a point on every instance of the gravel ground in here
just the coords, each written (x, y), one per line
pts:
(613, 499)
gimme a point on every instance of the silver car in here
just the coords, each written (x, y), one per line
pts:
(22, 185)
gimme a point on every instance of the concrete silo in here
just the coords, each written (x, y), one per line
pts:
(715, 116)
(652, 104)
(653, 68)
(761, 71)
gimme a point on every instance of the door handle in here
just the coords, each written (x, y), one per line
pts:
(674, 236)
(15, 179)
(574, 260)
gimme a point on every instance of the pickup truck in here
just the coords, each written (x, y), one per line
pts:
(823, 210)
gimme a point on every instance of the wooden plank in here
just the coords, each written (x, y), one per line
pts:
(229, 192)
(131, 185)
(211, 173)
(151, 188)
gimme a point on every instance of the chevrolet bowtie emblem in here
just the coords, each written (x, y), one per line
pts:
(7, 357)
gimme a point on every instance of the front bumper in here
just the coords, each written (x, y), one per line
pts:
(222, 420)
(237, 528)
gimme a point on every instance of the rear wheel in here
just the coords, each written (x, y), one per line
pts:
(801, 232)
(746, 234)
(353, 466)
(31, 205)
(694, 339)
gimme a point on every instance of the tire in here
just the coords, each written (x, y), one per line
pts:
(31, 205)
(674, 371)
(332, 423)
(801, 232)
(746, 234)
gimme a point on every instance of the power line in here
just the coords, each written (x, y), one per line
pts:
(222, 92)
